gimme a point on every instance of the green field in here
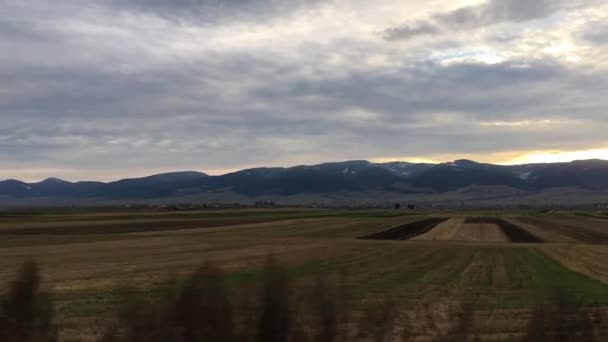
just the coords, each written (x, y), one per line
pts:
(91, 259)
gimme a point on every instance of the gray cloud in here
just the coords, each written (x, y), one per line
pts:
(597, 33)
(408, 31)
(106, 90)
(491, 13)
(500, 92)
(216, 11)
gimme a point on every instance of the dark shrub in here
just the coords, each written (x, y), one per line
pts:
(26, 313)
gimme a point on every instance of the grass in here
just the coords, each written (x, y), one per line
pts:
(111, 224)
(90, 269)
(129, 217)
(411, 274)
(205, 306)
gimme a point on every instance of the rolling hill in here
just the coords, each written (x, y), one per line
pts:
(585, 181)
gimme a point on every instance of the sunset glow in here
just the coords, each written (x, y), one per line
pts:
(558, 156)
(508, 158)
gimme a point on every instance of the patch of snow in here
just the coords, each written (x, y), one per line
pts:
(354, 172)
(525, 175)
(28, 188)
(345, 171)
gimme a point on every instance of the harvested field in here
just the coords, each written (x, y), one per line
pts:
(598, 216)
(591, 260)
(512, 232)
(92, 263)
(477, 232)
(516, 233)
(443, 231)
(547, 235)
(128, 223)
(482, 229)
(407, 231)
(582, 230)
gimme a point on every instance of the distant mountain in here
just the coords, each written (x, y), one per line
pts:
(589, 174)
(405, 169)
(323, 178)
(13, 188)
(356, 180)
(138, 188)
(162, 185)
(453, 176)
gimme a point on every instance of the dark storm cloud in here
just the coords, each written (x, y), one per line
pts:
(491, 13)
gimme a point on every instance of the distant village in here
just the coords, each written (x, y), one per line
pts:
(352, 206)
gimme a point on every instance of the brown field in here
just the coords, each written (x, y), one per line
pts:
(573, 228)
(444, 231)
(481, 230)
(477, 232)
(591, 260)
(89, 259)
(549, 235)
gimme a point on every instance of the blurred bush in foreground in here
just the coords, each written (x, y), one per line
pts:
(204, 307)
(26, 313)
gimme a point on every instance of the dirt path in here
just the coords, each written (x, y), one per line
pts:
(443, 231)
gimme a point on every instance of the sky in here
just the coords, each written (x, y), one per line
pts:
(108, 89)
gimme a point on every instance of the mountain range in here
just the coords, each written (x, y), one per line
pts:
(578, 182)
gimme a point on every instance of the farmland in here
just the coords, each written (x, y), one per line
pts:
(503, 263)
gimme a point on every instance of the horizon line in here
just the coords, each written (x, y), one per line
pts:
(212, 174)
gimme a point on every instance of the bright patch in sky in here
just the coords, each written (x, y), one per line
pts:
(467, 56)
(508, 158)
(525, 123)
(559, 156)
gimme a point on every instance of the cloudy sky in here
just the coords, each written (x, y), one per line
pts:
(107, 89)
